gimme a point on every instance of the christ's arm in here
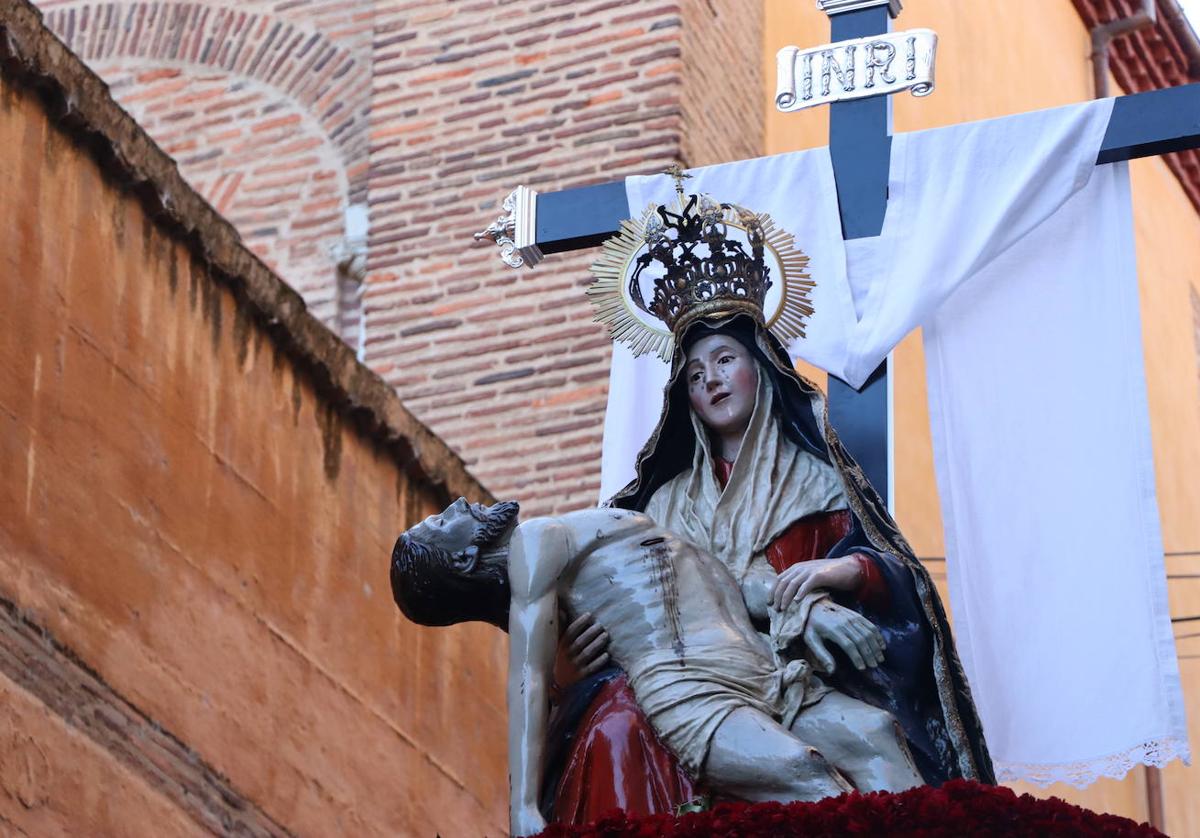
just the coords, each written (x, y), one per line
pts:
(539, 551)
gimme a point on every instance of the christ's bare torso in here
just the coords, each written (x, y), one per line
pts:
(705, 679)
(651, 590)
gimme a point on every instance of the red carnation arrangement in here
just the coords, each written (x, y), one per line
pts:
(955, 809)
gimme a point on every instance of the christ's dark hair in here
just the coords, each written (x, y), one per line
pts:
(435, 587)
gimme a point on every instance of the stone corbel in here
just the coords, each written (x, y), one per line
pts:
(515, 231)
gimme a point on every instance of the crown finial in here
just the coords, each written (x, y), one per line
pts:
(676, 173)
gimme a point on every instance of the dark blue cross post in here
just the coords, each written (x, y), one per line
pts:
(1142, 125)
(860, 144)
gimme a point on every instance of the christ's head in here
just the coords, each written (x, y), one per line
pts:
(453, 567)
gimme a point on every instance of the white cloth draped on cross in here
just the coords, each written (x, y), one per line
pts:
(1014, 251)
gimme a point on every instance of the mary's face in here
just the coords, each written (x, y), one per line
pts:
(722, 381)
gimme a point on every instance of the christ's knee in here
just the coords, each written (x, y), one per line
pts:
(752, 757)
(881, 760)
(805, 762)
(806, 775)
(879, 726)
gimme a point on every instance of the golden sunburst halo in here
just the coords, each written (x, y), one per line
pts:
(643, 333)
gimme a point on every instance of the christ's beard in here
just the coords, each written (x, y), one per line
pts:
(495, 525)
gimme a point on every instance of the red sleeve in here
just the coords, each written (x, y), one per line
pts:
(872, 590)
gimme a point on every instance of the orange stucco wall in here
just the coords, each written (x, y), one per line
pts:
(1002, 58)
(183, 510)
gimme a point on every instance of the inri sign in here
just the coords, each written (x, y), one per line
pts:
(856, 69)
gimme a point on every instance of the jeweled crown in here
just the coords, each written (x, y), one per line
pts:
(704, 268)
(707, 260)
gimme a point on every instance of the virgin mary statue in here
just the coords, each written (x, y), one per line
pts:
(743, 462)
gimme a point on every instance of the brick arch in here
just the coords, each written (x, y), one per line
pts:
(325, 78)
(257, 156)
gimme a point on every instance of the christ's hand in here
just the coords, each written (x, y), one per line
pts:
(527, 821)
(850, 631)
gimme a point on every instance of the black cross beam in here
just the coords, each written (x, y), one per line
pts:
(1142, 125)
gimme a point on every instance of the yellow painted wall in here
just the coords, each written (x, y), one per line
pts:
(1003, 58)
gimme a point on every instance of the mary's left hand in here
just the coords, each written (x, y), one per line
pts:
(842, 574)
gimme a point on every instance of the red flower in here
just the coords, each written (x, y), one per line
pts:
(957, 808)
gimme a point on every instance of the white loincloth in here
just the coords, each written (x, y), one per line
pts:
(687, 697)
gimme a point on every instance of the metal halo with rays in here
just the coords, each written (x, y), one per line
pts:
(643, 333)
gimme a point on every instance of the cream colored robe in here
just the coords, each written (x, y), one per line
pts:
(773, 484)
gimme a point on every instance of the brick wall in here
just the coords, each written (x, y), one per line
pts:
(463, 102)
(264, 106)
(723, 95)
(470, 101)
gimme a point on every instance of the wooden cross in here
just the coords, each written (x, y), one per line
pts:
(1142, 125)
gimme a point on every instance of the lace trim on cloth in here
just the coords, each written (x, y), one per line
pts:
(1156, 752)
